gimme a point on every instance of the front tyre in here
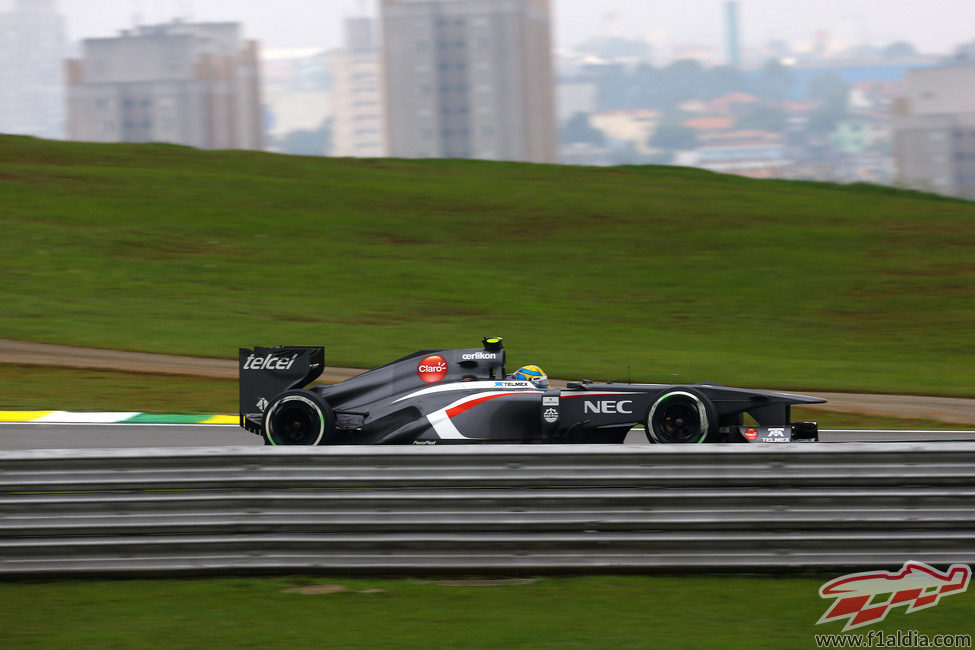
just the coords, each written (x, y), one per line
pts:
(682, 416)
(298, 417)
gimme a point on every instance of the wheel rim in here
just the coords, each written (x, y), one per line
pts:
(678, 417)
(296, 421)
(680, 422)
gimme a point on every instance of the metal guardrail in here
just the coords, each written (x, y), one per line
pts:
(485, 509)
(893, 435)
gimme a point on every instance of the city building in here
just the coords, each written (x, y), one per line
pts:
(469, 79)
(934, 131)
(859, 134)
(757, 154)
(634, 126)
(359, 116)
(195, 84)
(33, 44)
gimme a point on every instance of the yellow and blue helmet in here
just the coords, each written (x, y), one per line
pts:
(534, 374)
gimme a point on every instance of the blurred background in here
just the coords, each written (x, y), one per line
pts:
(839, 90)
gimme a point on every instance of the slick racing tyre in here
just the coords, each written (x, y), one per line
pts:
(298, 417)
(682, 415)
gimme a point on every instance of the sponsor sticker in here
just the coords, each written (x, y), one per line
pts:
(608, 406)
(550, 400)
(479, 356)
(262, 404)
(432, 369)
(766, 434)
(270, 362)
(550, 415)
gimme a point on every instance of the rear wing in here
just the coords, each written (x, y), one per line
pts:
(267, 372)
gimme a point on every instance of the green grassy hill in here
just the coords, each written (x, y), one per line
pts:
(672, 273)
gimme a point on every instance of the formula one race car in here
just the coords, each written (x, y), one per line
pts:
(463, 396)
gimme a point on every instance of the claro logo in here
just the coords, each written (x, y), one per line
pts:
(609, 406)
(432, 369)
(270, 362)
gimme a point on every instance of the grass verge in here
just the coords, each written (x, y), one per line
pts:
(650, 272)
(573, 612)
(68, 389)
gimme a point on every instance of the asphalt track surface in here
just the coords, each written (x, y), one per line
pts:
(20, 436)
(945, 409)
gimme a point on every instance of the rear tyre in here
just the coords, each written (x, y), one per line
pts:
(298, 417)
(682, 416)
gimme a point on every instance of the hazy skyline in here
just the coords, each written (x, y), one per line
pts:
(933, 26)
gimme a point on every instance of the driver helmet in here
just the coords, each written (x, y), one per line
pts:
(534, 374)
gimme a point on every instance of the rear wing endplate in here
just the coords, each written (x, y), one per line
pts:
(267, 372)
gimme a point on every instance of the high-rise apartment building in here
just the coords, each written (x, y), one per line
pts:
(934, 131)
(469, 79)
(186, 83)
(33, 44)
(358, 112)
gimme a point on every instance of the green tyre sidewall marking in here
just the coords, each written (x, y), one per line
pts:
(702, 412)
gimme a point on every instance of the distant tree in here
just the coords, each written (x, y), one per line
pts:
(578, 129)
(965, 52)
(864, 52)
(660, 89)
(898, 50)
(645, 88)
(685, 68)
(774, 81)
(682, 80)
(613, 88)
(671, 135)
(664, 89)
(724, 79)
(306, 142)
(830, 90)
(761, 117)
(661, 158)
(625, 153)
(822, 122)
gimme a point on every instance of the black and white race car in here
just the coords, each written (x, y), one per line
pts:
(463, 396)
